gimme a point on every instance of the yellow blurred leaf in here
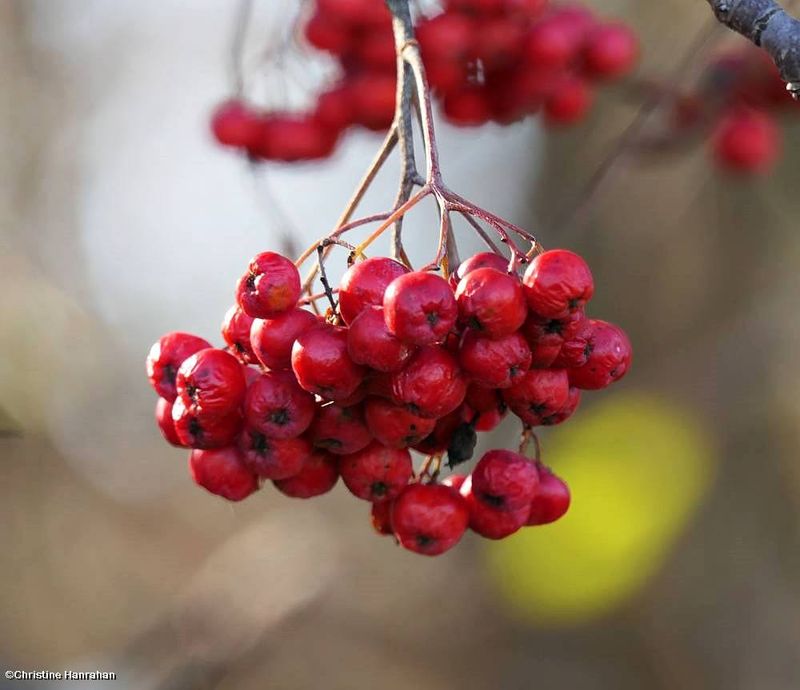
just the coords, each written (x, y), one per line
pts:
(637, 468)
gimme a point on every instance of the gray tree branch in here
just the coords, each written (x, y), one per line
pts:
(769, 26)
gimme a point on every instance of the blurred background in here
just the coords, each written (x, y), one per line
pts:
(678, 566)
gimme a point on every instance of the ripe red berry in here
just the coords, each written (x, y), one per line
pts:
(575, 351)
(746, 141)
(495, 363)
(197, 430)
(538, 395)
(420, 308)
(236, 332)
(370, 343)
(318, 476)
(447, 37)
(455, 481)
(166, 357)
(362, 13)
(476, 261)
(609, 359)
(431, 385)
(323, 366)
(272, 339)
(395, 426)
(340, 430)
(505, 480)
(557, 283)
(550, 44)
(573, 401)
(440, 438)
(334, 108)
(374, 97)
(376, 473)
(165, 423)
(364, 284)
(212, 381)
(467, 106)
(429, 518)
(270, 287)
(552, 498)
(277, 407)
(234, 124)
(569, 100)
(483, 398)
(292, 137)
(491, 302)
(483, 421)
(273, 458)
(489, 521)
(381, 517)
(610, 51)
(223, 473)
(547, 337)
(326, 33)
(500, 42)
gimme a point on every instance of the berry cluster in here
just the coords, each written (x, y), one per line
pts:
(406, 360)
(486, 60)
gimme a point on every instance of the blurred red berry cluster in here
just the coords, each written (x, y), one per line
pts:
(406, 360)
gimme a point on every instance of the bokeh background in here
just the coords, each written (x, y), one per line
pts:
(677, 568)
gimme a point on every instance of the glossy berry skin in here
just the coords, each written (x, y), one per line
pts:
(212, 381)
(552, 498)
(166, 357)
(495, 363)
(322, 364)
(576, 349)
(223, 473)
(271, 340)
(455, 481)
(234, 124)
(541, 332)
(420, 308)
(395, 426)
(318, 476)
(550, 45)
(270, 286)
(538, 395)
(491, 302)
(505, 480)
(610, 51)
(557, 283)
(273, 458)
(609, 360)
(166, 424)
(484, 421)
(340, 430)
(476, 261)
(380, 515)
(236, 333)
(376, 473)
(568, 101)
(364, 284)
(429, 518)
(573, 401)
(370, 343)
(431, 385)
(197, 430)
(746, 141)
(489, 521)
(277, 407)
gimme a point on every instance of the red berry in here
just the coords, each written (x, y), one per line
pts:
(429, 518)
(197, 430)
(270, 287)
(277, 407)
(476, 261)
(212, 381)
(576, 350)
(557, 283)
(445, 76)
(552, 498)
(610, 51)
(455, 481)
(323, 366)
(236, 332)
(327, 33)
(273, 458)
(420, 308)
(438, 441)
(568, 101)
(491, 302)
(550, 44)
(395, 426)
(370, 343)
(376, 51)
(376, 473)
(500, 42)
(165, 423)
(166, 357)
(467, 106)
(365, 283)
(318, 476)
(538, 395)
(483, 398)
(356, 12)
(431, 385)
(334, 108)
(272, 339)
(746, 141)
(496, 363)
(291, 138)
(381, 517)
(573, 400)
(447, 37)
(374, 98)
(609, 359)
(489, 521)
(505, 480)
(483, 421)
(223, 473)
(548, 336)
(234, 124)
(481, 8)
(340, 430)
